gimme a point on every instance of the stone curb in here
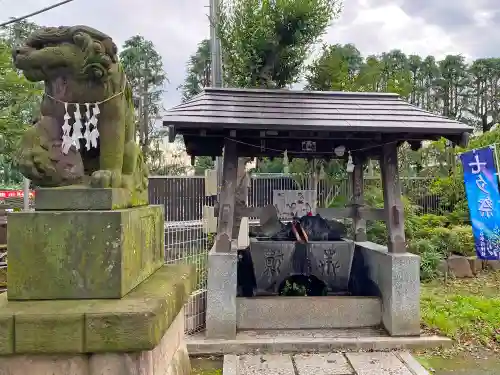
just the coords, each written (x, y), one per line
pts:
(412, 364)
(302, 345)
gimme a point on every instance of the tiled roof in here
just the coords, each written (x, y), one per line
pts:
(217, 108)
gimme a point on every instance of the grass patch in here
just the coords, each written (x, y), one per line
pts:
(466, 310)
(207, 372)
(206, 366)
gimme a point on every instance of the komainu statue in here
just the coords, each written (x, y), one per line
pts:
(85, 133)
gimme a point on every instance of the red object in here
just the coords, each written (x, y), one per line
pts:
(14, 194)
(309, 213)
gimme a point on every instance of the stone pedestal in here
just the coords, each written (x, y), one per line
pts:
(89, 294)
(221, 295)
(142, 333)
(398, 278)
(88, 254)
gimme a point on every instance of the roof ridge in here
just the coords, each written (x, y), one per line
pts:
(208, 90)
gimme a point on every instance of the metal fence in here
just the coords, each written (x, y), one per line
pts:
(184, 198)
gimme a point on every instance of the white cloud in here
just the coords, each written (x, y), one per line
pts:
(386, 27)
(374, 26)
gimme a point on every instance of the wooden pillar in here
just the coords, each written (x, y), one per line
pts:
(359, 224)
(227, 198)
(241, 195)
(394, 209)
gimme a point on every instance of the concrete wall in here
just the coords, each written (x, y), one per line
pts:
(307, 312)
(398, 278)
(169, 357)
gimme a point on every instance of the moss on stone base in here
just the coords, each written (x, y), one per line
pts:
(83, 254)
(135, 323)
(78, 198)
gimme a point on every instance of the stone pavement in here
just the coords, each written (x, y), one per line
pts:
(374, 363)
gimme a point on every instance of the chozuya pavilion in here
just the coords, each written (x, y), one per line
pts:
(262, 123)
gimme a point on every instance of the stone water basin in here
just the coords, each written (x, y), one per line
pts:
(275, 261)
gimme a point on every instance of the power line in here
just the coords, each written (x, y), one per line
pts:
(14, 20)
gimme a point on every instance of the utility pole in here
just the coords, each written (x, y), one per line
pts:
(216, 66)
(215, 47)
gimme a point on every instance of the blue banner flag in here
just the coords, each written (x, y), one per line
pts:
(483, 196)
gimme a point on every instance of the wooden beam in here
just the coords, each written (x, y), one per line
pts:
(241, 195)
(359, 224)
(372, 214)
(365, 213)
(393, 205)
(335, 212)
(227, 198)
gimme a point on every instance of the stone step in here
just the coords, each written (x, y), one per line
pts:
(296, 341)
(374, 363)
(308, 312)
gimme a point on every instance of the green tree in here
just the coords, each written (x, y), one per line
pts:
(168, 163)
(17, 32)
(370, 76)
(144, 68)
(201, 164)
(484, 93)
(198, 77)
(451, 86)
(198, 71)
(266, 42)
(269, 165)
(19, 99)
(336, 69)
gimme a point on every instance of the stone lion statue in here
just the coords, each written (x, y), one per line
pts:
(83, 80)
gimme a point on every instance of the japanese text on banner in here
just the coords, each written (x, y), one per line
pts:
(483, 196)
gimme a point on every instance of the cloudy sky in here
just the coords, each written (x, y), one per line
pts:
(436, 27)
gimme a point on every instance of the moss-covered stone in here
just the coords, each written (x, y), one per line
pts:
(83, 254)
(49, 333)
(83, 198)
(135, 323)
(6, 332)
(159, 299)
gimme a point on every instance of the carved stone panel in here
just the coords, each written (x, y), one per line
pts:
(274, 261)
(272, 264)
(331, 262)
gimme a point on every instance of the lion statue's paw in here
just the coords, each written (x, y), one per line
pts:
(106, 179)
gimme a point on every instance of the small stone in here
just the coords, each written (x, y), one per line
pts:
(493, 265)
(459, 266)
(476, 264)
(269, 222)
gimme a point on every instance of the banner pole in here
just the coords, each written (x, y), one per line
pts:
(495, 150)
